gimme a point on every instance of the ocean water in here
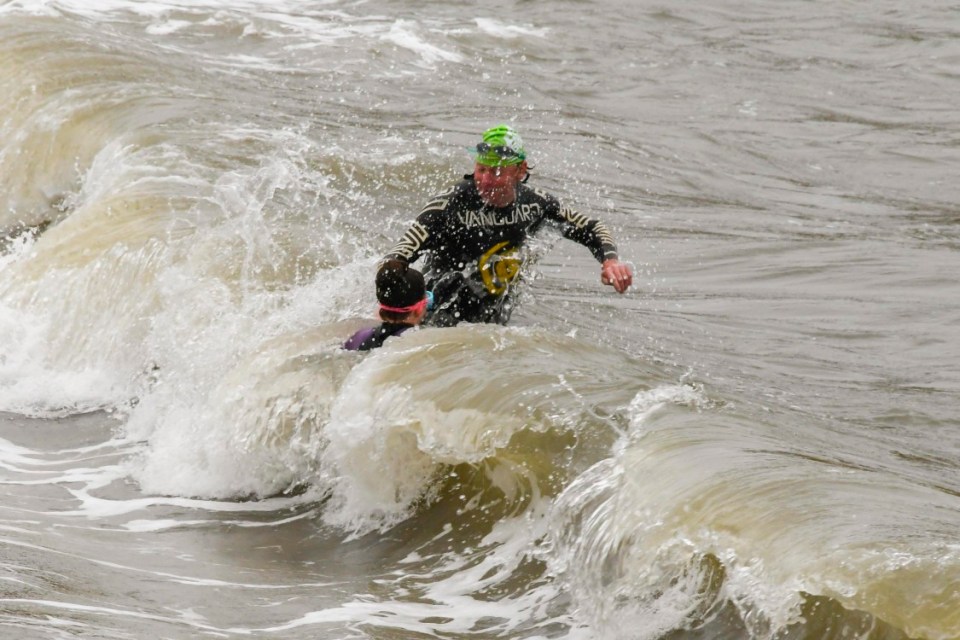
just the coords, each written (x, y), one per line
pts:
(760, 440)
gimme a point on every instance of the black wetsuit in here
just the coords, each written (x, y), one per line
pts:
(464, 239)
(373, 337)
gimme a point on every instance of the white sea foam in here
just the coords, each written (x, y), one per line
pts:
(247, 417)
(168, 27)
(31, 385)
(405, 33)
(160, 8)
(451, 583)
(295, 24)
(509, 31)
(378, 424)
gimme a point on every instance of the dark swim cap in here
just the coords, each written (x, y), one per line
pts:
(400, 287)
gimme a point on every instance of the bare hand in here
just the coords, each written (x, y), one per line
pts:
(616, 274)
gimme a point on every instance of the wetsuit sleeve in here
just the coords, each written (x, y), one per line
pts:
(422, 234)
(357, 340)
(374, 337)
(589, 232)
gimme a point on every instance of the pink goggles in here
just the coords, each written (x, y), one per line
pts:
(418, 307)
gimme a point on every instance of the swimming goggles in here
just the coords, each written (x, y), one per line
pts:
(426, 303)
(500, 151)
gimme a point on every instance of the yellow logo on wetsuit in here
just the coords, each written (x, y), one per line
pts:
(498, 267)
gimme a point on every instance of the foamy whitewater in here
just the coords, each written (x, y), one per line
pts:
(759, 440)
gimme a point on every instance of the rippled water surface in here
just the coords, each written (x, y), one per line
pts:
(759, 440)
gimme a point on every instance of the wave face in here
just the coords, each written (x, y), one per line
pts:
(759, 441)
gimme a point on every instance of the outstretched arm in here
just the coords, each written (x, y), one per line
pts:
(421, 235)
(409, 247)
(616, 274)
(594, 235)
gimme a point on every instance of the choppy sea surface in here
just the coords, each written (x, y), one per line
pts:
(760, 440)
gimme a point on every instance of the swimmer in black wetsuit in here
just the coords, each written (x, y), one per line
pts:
(471, 235)
(403, 303)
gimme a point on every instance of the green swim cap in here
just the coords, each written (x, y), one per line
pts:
(501, 146)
